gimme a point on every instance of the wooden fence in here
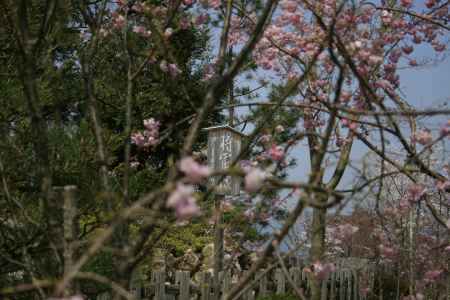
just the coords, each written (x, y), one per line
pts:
(340, 285)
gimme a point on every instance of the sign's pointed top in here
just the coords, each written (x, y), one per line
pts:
(226, 127)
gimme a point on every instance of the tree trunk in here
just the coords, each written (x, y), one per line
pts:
(317, 250)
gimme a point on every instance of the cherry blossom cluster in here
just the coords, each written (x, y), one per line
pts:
(169, 68)
(182, 199)
(149, 137)
(342, 232)
(140, 11)
(272, 151)
(321, 270)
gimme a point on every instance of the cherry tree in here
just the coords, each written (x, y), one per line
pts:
(330, 72)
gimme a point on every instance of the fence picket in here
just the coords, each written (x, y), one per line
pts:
(159, 281)
(182, 279)
(205, 285)
(324, 288)
(281, 281)
(342, 284)
(226, 283)
(263, 286)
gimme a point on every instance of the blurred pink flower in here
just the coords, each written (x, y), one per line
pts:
(151, 124)
(173, 70)
(276, 152)
(423, 137)
(194, 171)
(149, 137)
(138, 139)
(254, 180)
(445, 129)
(406, 3)
(415, 192)
(386, 252)
(321, 271)
(432, 276)
(183, 202)
(141, 30)
(443, 185)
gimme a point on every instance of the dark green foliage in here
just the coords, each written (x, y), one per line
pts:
(72, 144)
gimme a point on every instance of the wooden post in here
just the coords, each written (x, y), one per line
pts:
(218, 246)
(70, 231)
(224, 144)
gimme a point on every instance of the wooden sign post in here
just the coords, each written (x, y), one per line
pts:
(224, 146)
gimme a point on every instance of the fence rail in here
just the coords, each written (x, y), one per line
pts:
(340, 285)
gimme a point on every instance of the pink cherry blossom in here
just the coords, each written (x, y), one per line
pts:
(150, 135)
(119, 21)
(349, 124)
(173, 70)
(406, 3)
(201, 19)
(321, 271)
(141, 30)
(194, 171)
(443, 185)
(183, 202)
(423, 137)
(138, 139)
(254, 180)
(151, 124)
(432, 276)
(415, 192)
(386, 252)
(430, 3)
(214, 3)
(276, 152)
(445, 129)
